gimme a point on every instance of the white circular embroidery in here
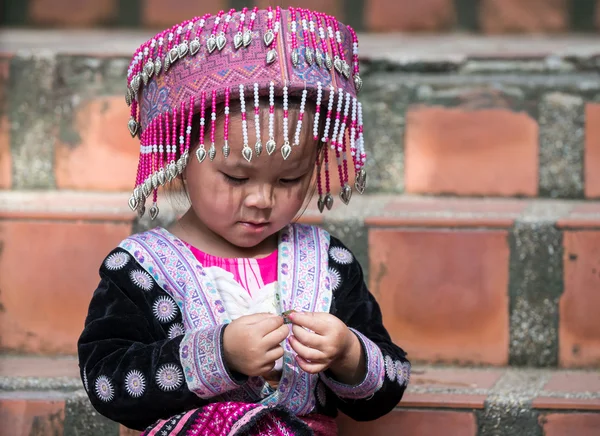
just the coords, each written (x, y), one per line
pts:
(142, 279)
(104, 389)
(341, 255)
(165, 309)
(176, 330)
(116, 261)
(403, 373)
(135, 383)
(169, 377)
(335, 279)
(390, 368)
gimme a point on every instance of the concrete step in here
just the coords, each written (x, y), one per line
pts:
(462, 281)
(457, 115)
(43, 397)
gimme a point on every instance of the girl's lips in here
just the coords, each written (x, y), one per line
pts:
(254, 226)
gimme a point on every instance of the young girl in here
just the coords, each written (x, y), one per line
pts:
(236, 320)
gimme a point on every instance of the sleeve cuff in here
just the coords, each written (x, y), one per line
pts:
(373, 378)
(201, 354)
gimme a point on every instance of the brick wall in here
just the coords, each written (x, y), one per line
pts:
(485, 16)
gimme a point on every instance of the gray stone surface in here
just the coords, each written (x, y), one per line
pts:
(535, 288)
(354, 234)
(81, 419)
(33, 113)
(384, 108)
(562, 135)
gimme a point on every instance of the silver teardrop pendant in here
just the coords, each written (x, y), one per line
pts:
(271, 56)
(194, 47)
(328, 201)
(173, 170)
(269, 37)
(247, 153)
(135, 84)
(226, 150)
(167, 63)
(358, 83)
(346, 194)
(157, 66)
(201, 155)
(212, 152)
(133, 127)
(149, 68)
(133, 202)
(154, 212)
(310, 55)
(295, 58)
(128, 98)
(337, 63)
(183, 49)
(145, 77)
(328, 61)
(155, 183)
(221, 41)
(319, 58)
(321, 204)
(247, 38)
(211, 43)
(346, 69)
(162, 177)
(173, 55)
(271, 146)
(258, 148)
(286, 150)
(238, 40)
(141, 211)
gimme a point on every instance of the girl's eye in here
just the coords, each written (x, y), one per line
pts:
(290, 181)
(235, 180)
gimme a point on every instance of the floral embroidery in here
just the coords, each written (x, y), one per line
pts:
(403, 373)
(176, 330)
(341, 255)
(390, 368)
(335, 278)
(85, 380)
(321, 394)
(165, 309)
(142, 279)
(169, 377)
(116, 261)
(104, 389)
(135, 383)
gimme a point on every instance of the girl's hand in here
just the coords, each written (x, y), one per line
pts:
(251, 344)
(329, 345)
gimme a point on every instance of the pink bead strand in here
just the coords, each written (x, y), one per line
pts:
(226, 124)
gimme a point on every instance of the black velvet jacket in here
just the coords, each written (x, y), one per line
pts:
(129, 351)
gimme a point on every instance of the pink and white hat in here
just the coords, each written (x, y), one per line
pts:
(273, 53)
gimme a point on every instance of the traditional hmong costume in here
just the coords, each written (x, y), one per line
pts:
(151, 352)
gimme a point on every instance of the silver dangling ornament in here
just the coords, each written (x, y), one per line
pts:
(183, 49)
(361, 181)
(328, 201)
(295, 58)
(337, 63)
(157, 66)
(128, 97)
(271, 146)
(172, 169)
(154, 212)
(133, 202)
(145, 78)
(201, 154)
(247, 38)
(180, 165)
(328, 61)
(194, 46)
(147, 187)
(133, 127)
(135, 85)
(346, 69)
(149, 68)
(258, 148)
(173, 55)
(141, 211)
(321, 204)
(155, 182)
(319, 58)
(247, 153)
(346, 194)
(162, 177)
(221, 41)
(212, 152)
(286, 150)
(358, 83)
(269, 37)
(226, 149)
(211, 43)
(185, 158)
(167, 64)
(271, 56)
(238, 40)
(309, 54)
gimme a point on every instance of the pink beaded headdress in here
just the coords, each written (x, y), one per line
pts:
(209, 60)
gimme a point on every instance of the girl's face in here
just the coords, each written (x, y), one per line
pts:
(247, 202)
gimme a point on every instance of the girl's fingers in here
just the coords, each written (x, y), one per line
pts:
(305, 352)
(317, 322)
(307, 338)
(276, 336)
(310, 367)
(274, 354)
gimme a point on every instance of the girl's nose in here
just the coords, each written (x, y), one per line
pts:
(261, 197)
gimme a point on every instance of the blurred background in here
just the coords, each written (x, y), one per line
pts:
(479, 232)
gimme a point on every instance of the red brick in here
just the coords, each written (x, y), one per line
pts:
(162, 14)
(72, 13)
(562, 424)
(579, 329)
(471, 152)
(105, 158)
(435, 285)
(574, 382)
(331, 7)
(32, 417)
(455, 378)
(532, 16)
(582, 216)
(554, 403)
(592, 149)
(443, 401)
(412, 422)
(5, 157)
(48, 272)
(409, 15)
